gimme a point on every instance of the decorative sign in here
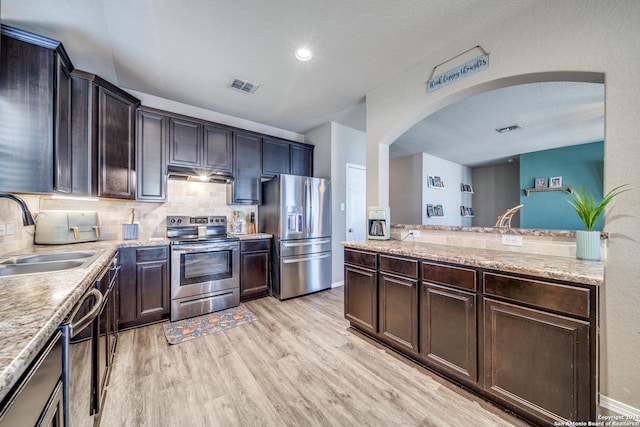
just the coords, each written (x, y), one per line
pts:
(460, 72)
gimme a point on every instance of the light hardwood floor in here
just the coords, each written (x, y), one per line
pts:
(297, 365)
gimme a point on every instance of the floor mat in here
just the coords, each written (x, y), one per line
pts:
(208, 324)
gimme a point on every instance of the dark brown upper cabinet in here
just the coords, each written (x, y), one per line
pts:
(247, 155)
(34, 113)
(218, 149)
(151, 156)
(301, 159)
(285, 157)
(198, 146)
(103, 131)
(185, 143)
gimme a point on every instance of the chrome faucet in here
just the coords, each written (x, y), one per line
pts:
(27, 218)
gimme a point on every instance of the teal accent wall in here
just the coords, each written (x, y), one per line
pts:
(579, 166)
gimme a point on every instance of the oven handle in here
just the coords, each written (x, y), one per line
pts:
(207, 248)
(86, 320)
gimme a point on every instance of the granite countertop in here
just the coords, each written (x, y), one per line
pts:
(544, 266)
(32, 306)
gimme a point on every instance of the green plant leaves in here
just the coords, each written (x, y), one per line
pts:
(586, 207)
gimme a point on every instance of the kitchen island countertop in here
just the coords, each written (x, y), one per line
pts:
(543, 266)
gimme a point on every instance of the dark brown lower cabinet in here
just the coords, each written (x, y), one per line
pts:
(254, 268)
(144, 285)
(525, 343)
(398, 311)
(448, 332)
(537, 362)
(361, 290)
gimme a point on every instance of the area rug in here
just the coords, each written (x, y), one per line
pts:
(208, 324)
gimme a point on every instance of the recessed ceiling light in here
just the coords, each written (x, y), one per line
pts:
(303, 54)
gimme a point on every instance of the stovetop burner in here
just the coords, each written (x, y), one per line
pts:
(185, 229)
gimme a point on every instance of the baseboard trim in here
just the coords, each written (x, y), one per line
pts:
(619, 407)
(337, 284)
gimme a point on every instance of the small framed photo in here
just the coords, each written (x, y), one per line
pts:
(541, 182)
(430, 211)
(555, 182)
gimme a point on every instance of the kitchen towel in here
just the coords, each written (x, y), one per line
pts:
(208, 324)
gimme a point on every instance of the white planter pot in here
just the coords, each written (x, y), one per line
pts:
(588, 245)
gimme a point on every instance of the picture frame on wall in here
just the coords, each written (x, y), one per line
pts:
(555, 182)
(430, 211)
(541, 182)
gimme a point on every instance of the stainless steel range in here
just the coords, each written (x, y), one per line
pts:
(204, 266)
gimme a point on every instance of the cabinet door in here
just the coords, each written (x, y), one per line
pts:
(115, 146)
(448, 334)
(144, 285)
(276, 158)
(398, 308)
(62, 141)
(537, 361)
(218, 149)
(247, 156)
(361, 298)
(26, 139)
(301, 160)
(185, 143)
(152, 293)
(151, 157)
(254, 274)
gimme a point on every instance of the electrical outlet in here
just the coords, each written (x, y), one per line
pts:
(511, 240)
(11, 229)
(3, 229)
(414, 233)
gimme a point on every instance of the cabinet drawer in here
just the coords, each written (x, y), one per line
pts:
(546, 295)
(463, 278)
(154, 253)
(365, 259)
(254, 245)
(404, 266)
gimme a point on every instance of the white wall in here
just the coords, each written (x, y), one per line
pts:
(405, 190)
(550, 38)
(452, 175)
(497, 188)
(342, 145)
(213, 116)
(409, 192)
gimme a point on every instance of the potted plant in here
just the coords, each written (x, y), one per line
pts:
(588, 240)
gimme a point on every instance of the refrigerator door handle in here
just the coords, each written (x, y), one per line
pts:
(307, 206)
(316, 242)
(311, 258)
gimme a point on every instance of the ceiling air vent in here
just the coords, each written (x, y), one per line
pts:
(244, 86)
(508, 128)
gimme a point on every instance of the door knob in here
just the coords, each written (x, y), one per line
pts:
(350, 230)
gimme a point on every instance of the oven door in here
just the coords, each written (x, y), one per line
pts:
(203, 268)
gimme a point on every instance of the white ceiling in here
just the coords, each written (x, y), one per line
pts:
(551, 115)
(189, 51)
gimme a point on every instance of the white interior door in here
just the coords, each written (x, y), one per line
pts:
(356, 211)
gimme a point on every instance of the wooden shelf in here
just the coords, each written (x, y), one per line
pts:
(545, 189)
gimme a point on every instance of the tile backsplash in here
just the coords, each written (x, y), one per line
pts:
(184, 198)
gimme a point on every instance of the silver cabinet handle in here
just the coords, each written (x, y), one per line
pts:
(76, 327)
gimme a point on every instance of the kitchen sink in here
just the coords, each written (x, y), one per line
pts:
(44, 263)
(38, 267)
(56, 256)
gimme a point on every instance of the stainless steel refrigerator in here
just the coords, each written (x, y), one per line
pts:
(297, 211)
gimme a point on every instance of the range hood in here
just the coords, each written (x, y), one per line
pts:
(197, 175)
